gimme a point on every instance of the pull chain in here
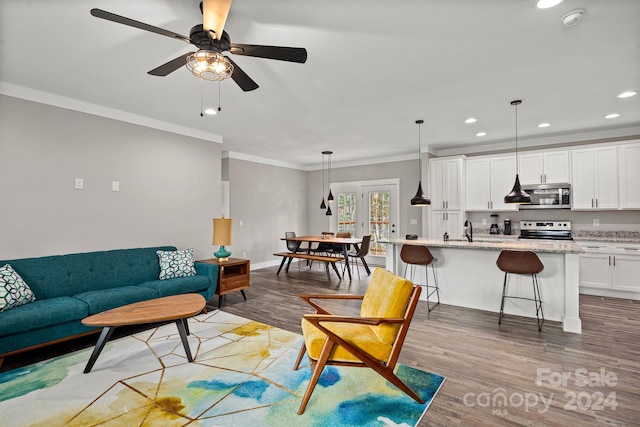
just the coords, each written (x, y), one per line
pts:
(201, 99)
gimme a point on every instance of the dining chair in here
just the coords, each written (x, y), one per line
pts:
(338, 250)
(374, 339)
(362, 252)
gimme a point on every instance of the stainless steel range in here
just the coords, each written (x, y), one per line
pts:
(551, 230)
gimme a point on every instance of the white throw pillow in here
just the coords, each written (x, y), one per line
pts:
(13, 290)
(176, 264)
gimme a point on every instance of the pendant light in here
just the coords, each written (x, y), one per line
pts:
(420, 199)
(517, 195)
(330, 196)
(323, 205)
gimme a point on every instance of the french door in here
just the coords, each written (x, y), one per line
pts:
(368, 208)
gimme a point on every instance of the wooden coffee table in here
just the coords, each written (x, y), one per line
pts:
(176, 307)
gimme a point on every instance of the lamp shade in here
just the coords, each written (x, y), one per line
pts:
(222, 231)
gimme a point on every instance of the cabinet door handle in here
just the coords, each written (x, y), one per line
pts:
(614, 261)
(596, 207)
(609, 259)
(443, 204)
(631, 249)
(592, 203)
(447, 203)
(541, 179)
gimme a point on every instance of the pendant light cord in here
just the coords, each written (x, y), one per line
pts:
(517, 166)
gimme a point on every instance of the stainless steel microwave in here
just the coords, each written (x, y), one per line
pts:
(547, 196)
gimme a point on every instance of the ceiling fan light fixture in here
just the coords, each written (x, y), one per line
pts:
(209, 65)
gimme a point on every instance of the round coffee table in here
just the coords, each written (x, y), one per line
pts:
(175, 307)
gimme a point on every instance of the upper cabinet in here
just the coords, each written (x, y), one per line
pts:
(594, 178)
(629, 175)
(488, 180)
(445, 178)
(548, 167)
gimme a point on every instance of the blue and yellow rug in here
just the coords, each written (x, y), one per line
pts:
(242, 376)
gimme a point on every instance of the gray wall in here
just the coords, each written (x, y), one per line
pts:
(268, 201)
(169, 184)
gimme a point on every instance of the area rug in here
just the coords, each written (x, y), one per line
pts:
(241, 376)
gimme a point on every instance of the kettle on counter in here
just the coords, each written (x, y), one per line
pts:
(507, 227)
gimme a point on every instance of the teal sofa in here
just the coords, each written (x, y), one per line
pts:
(71, 287)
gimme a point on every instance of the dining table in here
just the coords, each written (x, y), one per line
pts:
(344, 242)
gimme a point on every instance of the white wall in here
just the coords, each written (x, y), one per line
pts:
(169, 184)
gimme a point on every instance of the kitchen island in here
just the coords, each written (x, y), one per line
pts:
(469, 277)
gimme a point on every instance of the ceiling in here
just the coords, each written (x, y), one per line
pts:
(373, 68)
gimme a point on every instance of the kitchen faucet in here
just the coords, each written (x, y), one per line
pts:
(468, 230)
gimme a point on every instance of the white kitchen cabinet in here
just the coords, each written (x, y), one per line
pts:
(544, 167)
(610, 269)
(446, 179)
(629, 175)
(594, 173)
(449, 222)
(488, 180)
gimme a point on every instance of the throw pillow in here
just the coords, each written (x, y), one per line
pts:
(13, 290)
(176, 264)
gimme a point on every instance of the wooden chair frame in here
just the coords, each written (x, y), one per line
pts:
(384, 368)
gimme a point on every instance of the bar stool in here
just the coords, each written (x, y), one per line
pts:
(521, 262)
(413, 255)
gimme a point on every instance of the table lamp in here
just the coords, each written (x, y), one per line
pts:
(222, 236)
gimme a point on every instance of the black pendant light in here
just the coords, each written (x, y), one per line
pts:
(330, 196)
(517, 195)
(323, 205)
(420, 199)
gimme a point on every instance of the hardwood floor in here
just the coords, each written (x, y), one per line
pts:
(500, 375)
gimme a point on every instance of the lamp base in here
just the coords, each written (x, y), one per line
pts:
(222, 254)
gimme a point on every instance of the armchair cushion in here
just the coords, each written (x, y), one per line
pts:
(361, 336)
(386, 297)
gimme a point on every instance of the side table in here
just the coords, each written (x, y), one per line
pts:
(233, 275)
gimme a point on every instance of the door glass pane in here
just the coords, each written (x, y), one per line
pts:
(379, 221)
(347, 213)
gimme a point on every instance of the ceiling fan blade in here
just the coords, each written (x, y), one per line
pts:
(214, 15)
(241, 78)
(99, 13)
(291, 54)
(171, 66)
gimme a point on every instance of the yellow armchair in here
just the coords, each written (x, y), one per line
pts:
(373, 339)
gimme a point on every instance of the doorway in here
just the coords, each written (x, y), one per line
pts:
(368, 207)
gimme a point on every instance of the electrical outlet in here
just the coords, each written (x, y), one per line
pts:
(596, 222)
(79, 185)
(484, 221)
(413, 221)
(115, 186)
(241, 223)
(244, 254)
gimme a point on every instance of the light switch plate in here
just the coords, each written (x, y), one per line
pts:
(115, 186)
(79, 185)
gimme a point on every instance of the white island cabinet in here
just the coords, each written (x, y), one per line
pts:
(469, 277)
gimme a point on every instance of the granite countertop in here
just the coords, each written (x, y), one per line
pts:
(607, 236)
(492, 244)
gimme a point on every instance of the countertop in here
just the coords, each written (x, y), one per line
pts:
(493, 243)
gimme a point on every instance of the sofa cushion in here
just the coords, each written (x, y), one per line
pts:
(106, 299)
(13, 290)
(41, 314)
(176, 264)
(180, 285)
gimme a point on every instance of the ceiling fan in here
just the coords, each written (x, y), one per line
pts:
(211, 40)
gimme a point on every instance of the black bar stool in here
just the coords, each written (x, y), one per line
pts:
(521, 262)
(413, 255)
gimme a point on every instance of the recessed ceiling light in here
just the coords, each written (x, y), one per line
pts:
(612, 116)
(544, 125)
(211, 111)
(627, 94)
(572, 18)
(471, 120)
(481, 134)
(546, 4)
